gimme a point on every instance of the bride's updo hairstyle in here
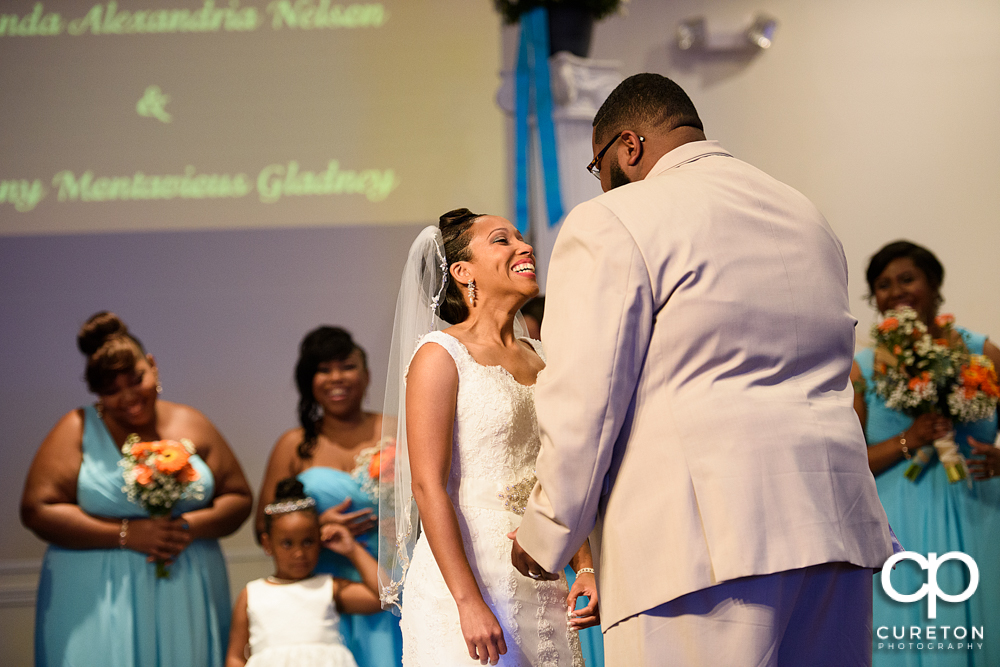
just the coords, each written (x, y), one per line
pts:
(454, 227)
(110, 350)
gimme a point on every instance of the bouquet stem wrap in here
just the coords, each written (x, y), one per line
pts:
(918, 464)
(162, 569)
(951, 458)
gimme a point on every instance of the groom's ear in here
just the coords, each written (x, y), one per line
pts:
(461, 272)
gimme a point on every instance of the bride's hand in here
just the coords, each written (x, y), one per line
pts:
(482, 632)
(589, 616)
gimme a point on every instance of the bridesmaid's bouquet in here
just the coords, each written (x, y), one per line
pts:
(916, 374)
(375, 462)
(158, 475)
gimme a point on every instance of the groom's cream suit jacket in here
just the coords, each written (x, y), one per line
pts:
(696, 412)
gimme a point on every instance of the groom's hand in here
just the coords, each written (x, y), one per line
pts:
(525, 564)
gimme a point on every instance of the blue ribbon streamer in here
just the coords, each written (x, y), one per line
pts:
(533, 92)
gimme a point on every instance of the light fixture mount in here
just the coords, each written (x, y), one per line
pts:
(693, 35)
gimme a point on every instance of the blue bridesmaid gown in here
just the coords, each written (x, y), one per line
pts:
(106, 607)
(375, 639)
(932, 515)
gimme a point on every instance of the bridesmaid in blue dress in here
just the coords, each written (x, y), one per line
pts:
(931, 515)
(100, 603)
(332, 376)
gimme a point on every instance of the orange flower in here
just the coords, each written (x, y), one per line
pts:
(897, 350)
(383, 464)
(187, 474)
(171, 456)
(979, 376)
(975, 374)
(920, 382)
(944, 320)
(140, 449)
(943, 342)
(143, 475)
(888, 324)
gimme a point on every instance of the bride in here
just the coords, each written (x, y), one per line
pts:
(466, 443)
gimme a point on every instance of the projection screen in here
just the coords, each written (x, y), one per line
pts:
(174, 114)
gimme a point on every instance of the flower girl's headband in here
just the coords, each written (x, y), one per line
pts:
(290, 506)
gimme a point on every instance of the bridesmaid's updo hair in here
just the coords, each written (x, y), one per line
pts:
(320, 345)
(923, 258)
(289, 496)
(454, 227)
(110, 350)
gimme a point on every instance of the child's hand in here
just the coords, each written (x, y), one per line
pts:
(359, 522)
(337, 538)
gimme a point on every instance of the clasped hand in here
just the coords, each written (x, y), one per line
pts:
(160, 538)
(927, 428)
(585, 585)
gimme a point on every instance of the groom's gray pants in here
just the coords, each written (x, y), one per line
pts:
(816, 616)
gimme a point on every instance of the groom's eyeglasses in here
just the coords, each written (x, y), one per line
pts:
(595, 165)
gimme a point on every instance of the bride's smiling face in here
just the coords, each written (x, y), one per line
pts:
(502, 262)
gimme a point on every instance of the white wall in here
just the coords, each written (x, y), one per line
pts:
(884, 114)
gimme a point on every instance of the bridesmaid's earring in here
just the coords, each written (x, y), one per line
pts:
(100, 409)
(472, 292)
(159, 387)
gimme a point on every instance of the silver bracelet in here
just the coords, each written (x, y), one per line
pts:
(583, 570)
(123, 534)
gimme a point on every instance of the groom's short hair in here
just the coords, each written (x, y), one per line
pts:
(644, 102)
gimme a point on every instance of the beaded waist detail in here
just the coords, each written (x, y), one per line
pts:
(494, 495)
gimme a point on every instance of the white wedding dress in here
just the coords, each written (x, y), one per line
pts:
(492, 472)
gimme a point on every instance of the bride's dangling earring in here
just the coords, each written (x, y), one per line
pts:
(472, 292)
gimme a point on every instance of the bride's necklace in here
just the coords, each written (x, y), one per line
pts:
(278, 580)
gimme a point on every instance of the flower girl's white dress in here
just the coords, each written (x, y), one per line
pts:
(492, 472)
(295, 625)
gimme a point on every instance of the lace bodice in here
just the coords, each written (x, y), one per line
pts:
(496, 433)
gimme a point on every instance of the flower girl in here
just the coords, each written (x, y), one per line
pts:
(291, 618)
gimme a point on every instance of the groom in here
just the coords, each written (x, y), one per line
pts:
(696, 413)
